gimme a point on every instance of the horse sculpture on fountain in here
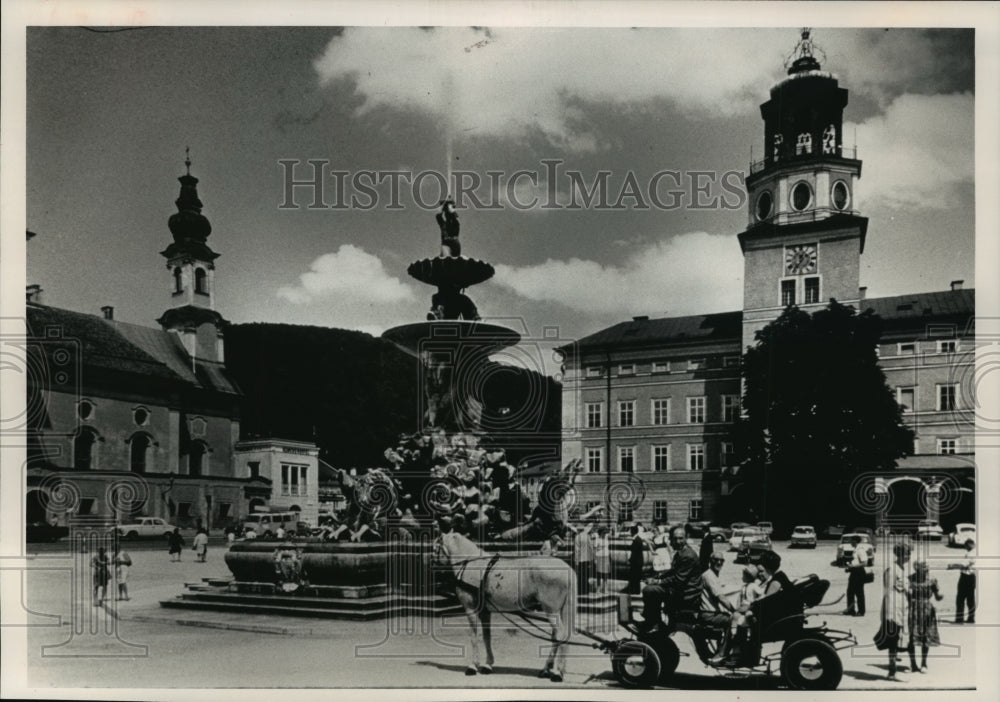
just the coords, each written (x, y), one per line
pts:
(486, 583)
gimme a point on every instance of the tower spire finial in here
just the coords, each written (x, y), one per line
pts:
(804, 55)
(187, 159)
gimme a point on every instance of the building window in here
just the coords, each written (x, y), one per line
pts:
(730, 408)
(696, 456)
(183, 510)
(695, 509)
(200, 281)
(661, 458)
(178, 280)
(84, 449)
(949, 346)
(626, 511)
(140, 416)
(254, 468)
(196, 458)
(626, 459)
(787, 293)
(811, 290)
(906, 398)
(661, 411)
(595, 415)
(947, 397)
(947, 446)
(661, 366)
(626, 369)
(804, 144)
(730, 361)
(594, 460)
(594, 371)
(626, 413)
(85, 410)
(225, 510)
(726, 452)
(801, 196)
(696, 410)
(659, 510)
(293, 479)
(138, 450)
(906, 348)
(696, 363)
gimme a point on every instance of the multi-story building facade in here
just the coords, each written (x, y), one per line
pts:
(649, 404)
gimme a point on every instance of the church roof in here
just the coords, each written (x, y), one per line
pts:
(898, 311)
(132, 349)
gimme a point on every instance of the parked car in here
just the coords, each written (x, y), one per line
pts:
(43, 531)
(930, 530)
(720, 535)
(754, 545)
(736, 540)
(266, 523)
(766, 527)
(145, 528)
(696, 530)
(834, 530)
(845, 549)
(804, 536)
(963, 534)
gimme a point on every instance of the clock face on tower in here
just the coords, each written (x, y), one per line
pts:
(800, 259)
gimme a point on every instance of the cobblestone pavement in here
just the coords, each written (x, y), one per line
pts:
(146, 645)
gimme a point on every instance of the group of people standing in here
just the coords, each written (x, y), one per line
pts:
(101, 565)
(909, 617)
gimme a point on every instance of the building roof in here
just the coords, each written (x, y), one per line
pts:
(128, 348)
(726, 327)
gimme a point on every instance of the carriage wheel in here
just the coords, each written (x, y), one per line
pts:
(811, 664)
(635, 664)
(666, 650)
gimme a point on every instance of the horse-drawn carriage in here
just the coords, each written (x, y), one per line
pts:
(808, 658)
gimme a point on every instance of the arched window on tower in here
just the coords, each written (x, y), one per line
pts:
(200, 281)
(139, 452)
(830, 140)
(84, 449)
(804, 145)
(178, 280)
(196, 458)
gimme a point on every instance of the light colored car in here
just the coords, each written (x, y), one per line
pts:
(963, 534)
(804, 536)
(930, 530)
(845, 549)
(766, 527)
(754, 545)
(145, 528)
(736, 540)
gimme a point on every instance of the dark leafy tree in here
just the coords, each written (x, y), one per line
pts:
(818, 413)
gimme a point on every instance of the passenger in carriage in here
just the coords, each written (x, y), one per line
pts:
(716, 609)
(679, 588)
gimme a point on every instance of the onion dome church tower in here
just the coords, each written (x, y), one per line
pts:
(191, 263)
(804, 238)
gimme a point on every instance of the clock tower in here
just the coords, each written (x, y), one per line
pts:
(804, 237)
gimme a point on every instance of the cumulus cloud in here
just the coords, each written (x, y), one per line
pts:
(349, 271)
(686, 274)
(918, 152)
(512, 82)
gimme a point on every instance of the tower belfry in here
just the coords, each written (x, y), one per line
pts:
(804, 235)
(191, 264)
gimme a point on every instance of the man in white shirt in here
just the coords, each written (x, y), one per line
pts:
(966, 585)
(856, 579)
(716, 609)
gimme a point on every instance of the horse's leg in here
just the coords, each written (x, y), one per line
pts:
(561, 633)
(469, 605)
(547, 671)
(484, 621)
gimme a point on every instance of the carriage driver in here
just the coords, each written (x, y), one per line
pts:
(679, 588)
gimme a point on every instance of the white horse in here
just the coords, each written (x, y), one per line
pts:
(487, 583)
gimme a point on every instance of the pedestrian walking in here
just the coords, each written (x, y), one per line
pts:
(122, 562)
(175, 542)
(966, 596)
(99, 564)
(893, 633)
(602, 555)
(636, 560)
(857, 574)
(923, 615)
(200, 545)
(583, 558)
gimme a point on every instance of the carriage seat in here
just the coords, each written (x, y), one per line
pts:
(781, 616)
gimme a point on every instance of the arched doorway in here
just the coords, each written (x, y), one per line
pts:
(139, 452)
(84, 449)
(196, 458)
(907, 501)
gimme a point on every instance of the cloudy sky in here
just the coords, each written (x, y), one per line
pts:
(109, 115)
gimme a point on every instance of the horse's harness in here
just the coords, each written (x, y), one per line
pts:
(460, 582)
